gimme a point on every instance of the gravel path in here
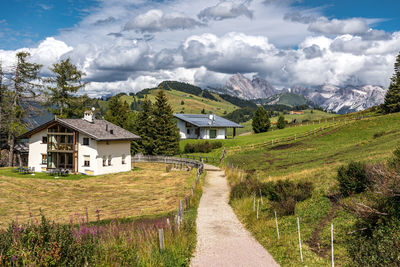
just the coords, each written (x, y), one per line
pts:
(221, 238)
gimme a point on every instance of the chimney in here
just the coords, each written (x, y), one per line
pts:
(88, 116)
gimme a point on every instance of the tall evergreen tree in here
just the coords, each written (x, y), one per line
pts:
(62, 87)
(120, 114)
(166, 131)
(392, 98)
(145, 128)
(281, 122)
(4, 106)
(261, 122)
(23, 79)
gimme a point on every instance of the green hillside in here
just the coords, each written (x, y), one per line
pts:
(314, 160)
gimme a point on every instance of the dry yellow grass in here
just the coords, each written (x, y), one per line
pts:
(147, 191)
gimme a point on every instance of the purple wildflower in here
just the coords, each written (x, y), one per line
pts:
(14, 258)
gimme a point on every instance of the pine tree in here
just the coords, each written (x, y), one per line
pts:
(166, 132)
(281, 122)
(23, 79)
(4, 107)
(392, 98)
(145, 128)
(261, 122)
(67, 81)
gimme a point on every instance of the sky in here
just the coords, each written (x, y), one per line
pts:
(129, 45)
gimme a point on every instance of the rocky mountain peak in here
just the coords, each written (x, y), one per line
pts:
(240, 86)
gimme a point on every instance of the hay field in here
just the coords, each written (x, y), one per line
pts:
(148, 190)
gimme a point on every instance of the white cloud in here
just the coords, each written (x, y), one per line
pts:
(336, 26)
(225, 10)
(155, 21)
(165, 42)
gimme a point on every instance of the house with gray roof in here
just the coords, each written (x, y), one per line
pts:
(202, 126)
(86, 145)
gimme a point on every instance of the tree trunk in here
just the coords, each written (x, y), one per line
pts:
(19, 160)
(11, 143)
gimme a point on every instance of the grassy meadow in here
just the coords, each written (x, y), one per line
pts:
(314, 160)
(192, 104)
(255, 138)
(148, 190)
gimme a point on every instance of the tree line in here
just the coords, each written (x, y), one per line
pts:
(22, 82)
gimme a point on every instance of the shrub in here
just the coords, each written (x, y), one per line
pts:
(352, 178)
(379, 248)
(202, 147)
(283, 195)
(394, 161)
(246, 188)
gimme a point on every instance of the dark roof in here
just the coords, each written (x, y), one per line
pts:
(96, 129)
(203, 120)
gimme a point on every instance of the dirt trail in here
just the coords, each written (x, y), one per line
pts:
(221, 238)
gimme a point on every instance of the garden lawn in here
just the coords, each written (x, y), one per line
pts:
(147, 191)
(315, 160)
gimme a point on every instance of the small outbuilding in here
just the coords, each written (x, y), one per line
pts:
(201, 126)
(86, 145)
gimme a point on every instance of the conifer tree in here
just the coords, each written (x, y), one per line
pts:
(66, 82)
(166, 132)
(261, 122)
(119, 113)
(146, 128)
(4, 107)
(392, 98)
(23, 85)
(281, 122)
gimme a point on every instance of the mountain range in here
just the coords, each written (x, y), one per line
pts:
(341, 100)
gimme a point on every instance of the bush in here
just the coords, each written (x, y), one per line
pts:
(394, 161)
(352, 178)
(284, 195)
(378, 248)
(246, 188)
(202, 147)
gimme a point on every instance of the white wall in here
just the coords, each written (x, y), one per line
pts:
(91, 151)
(36, 149)
(182, 128)
(116, 149)
(205, 133)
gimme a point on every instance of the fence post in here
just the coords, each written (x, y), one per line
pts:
(258, 206)
(161, 238)
(298, 227)
(276, 223)
(333, 260)
(254, 203)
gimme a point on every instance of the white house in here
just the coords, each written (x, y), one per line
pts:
(85, 145)
(200, 126)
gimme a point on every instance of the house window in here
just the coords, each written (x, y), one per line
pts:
(44, 139)
(109, 160)
(188, 131)
(86, 161)
(104, 161)
(44, 159)
(123, 158)
(85, 141)
(213, 134)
